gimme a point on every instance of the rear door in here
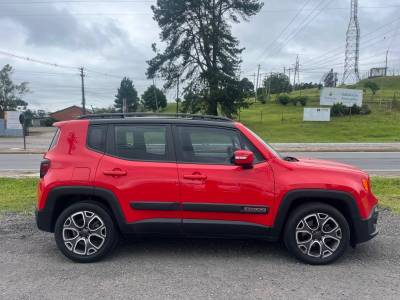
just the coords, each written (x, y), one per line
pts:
(141, 170)
(217, 196)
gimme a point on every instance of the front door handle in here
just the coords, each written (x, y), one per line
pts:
(195, 177)
(114, 172)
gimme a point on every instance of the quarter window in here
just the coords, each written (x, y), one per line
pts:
(148, 143)
(55, 139)
(97, 138)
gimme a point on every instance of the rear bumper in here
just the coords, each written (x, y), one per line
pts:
(366, 229)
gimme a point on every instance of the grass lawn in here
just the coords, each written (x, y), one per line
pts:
(387, 189)
(285, 124)
(19, 195)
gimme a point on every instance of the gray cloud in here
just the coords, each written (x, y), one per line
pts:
(48, 26)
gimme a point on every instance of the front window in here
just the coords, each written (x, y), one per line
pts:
(211, 145)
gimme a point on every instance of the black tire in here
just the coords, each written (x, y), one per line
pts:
(93, 243)
(325, 246)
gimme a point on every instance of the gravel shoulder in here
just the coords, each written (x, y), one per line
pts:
(31, 267)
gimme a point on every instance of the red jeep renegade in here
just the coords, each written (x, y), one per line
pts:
(191, 175)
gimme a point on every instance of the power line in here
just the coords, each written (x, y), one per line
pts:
(36, 60)
(285, 28)
(309, 18)
(340, 48)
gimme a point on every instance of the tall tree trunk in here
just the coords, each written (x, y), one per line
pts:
(213, 97)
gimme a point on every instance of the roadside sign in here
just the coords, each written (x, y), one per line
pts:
(317, 114)
(12, 120)
(348, 97)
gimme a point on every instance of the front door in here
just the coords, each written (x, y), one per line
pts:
(141, 170)
(217, 196)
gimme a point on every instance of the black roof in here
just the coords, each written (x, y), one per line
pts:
(157, 118)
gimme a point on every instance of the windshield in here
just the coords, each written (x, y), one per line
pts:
(270, 148)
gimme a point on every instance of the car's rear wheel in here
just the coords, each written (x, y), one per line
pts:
(85, 232)
(317, 233)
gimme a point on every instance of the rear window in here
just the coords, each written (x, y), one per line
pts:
(54, 141)
(97, 138)
(142, 143)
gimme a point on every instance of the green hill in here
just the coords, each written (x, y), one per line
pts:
(278, 123)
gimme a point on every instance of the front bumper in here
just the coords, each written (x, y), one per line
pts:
(366, 229)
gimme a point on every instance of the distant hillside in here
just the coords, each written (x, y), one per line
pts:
(385, 83)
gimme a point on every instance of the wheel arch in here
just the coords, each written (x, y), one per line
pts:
(342, 201)
(60, 198)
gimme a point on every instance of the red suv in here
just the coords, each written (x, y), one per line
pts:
(191, 175)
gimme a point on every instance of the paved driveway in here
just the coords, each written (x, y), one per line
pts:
(32, 268)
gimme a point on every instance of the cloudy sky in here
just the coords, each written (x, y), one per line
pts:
(112, 39)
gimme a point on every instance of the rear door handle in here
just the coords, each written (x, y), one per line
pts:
(114, 173)
(195, 177)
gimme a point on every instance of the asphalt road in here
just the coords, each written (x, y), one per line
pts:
(31, 267)
(380, 163)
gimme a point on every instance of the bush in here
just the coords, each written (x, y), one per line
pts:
(365, 110)
(48, 122)
(339, 110)
(302, 100)
(262, 95)
(355, 110)
(283, 99)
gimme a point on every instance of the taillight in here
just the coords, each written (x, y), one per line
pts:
(44, 167)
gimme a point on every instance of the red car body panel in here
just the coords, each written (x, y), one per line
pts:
(266, 184)
(224, 184)
(144, 181)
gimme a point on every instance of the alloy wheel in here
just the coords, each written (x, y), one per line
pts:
(318, 235)
(84, 233)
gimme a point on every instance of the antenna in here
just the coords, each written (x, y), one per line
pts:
(352, 51)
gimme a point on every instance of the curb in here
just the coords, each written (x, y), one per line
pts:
(23, 152)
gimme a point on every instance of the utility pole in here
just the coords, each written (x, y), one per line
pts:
(387, 52)
(155, 94)
(83, 90)
(258, 75)
(124, 106)
(269, 85)
(296, 72)
(177, 96)
(254, 82)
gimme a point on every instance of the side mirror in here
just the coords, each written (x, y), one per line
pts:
(243, 158)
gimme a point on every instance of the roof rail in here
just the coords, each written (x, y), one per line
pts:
(155, 115)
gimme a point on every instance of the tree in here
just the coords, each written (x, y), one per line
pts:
(277, 83)
(154, 99)
(372, 85)
(200, 48)
(11, 93)
(127, 91)
(247, 87)
(192, 103)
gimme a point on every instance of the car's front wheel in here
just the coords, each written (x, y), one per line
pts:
(317, 233)
(85, 232)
